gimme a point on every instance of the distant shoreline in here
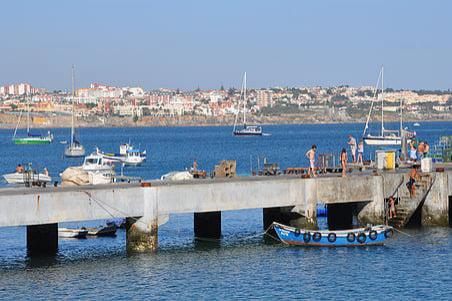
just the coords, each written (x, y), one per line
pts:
(58, 125)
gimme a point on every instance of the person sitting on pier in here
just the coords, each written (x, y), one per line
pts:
(392, 209)
(426, 149)
(45, 172)
(310, 154)
(344, 161)
(20, 169)
(413, 177)
(420, 150)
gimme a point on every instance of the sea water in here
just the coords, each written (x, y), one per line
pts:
(243, 264)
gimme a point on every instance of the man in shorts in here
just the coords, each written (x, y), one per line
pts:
(310, 154)
(352, 143)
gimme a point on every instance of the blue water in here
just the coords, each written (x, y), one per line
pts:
(241, 265)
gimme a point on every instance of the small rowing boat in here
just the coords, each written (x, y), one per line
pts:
(375, 235)
(107, 230)
(72, 233)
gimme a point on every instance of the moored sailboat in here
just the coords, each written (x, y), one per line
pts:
(31, 138)
(75, 148)
(246, 130)
(386, 137)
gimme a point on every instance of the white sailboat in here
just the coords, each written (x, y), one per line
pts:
(386, 137)
(246, 130)
(75, 148)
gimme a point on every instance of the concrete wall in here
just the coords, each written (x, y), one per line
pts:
(25, 206)
(435, 210)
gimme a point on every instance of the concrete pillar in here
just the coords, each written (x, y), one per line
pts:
(435, 208)
(42, 239)
(142, 232)
(207, 225)
(141, 235)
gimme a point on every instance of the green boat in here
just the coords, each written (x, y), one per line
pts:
(31, 138)
(34, 139)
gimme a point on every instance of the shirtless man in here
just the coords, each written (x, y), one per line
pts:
(310, 154)
(352, 143)
(410, 184)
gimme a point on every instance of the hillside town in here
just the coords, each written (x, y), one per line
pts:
(102, 104)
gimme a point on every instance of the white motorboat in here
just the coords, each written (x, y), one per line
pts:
(386, 137)
(96, 162)
(72, 233)
(128, 155)
(26, 177)
(75, 148)
(246, 130)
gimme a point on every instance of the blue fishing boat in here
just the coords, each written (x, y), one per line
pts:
(375, 235)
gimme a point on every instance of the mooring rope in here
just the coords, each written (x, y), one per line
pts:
(404, 233)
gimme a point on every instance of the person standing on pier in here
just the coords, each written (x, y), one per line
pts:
(310, 154)
(344, 161)
(352, 143)
(360, 151)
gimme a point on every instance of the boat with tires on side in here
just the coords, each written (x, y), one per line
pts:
(375, 235)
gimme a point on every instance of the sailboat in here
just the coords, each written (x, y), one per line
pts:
(75, 148)
(31, 138)
(247, 130)
(386, 137)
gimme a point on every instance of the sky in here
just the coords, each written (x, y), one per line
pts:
(186, 44)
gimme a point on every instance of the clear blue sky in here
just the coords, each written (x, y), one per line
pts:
(183, 44)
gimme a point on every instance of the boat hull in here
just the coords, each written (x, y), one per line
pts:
(109, 230)
(72, 233)
(21, 178)
(73, 152)
(383, 141)
(373, 236)
(46, 140)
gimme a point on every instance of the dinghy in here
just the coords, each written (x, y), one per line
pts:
(72, 233)
(375, 235)
(107, 230)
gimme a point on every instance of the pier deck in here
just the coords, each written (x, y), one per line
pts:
(150, 204)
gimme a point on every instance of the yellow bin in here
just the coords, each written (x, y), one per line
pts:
(390, 160)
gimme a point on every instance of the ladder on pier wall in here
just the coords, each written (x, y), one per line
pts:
(407, 205)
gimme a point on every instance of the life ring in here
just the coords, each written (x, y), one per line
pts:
(361, 237)
(351, 237)
(297, 232)
(332, 237)
(373, 235)
(317, 236)
(306, 237)
(389, 233)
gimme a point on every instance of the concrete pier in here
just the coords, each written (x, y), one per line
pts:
(207, 225)
(282, 198)
(42, 239)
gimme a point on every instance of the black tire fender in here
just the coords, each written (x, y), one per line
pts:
(317, 236)
(373, 235)
(306, 237)
(332, 237)
(361, 238)
(351, 237)
(389, 233)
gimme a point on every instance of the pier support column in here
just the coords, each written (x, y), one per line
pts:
(142, 232)
(207, 225)
(42, 239)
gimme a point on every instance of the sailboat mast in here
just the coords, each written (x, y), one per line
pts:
(73, 94)
(244, 99)
(382, 102)
(28, 116)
